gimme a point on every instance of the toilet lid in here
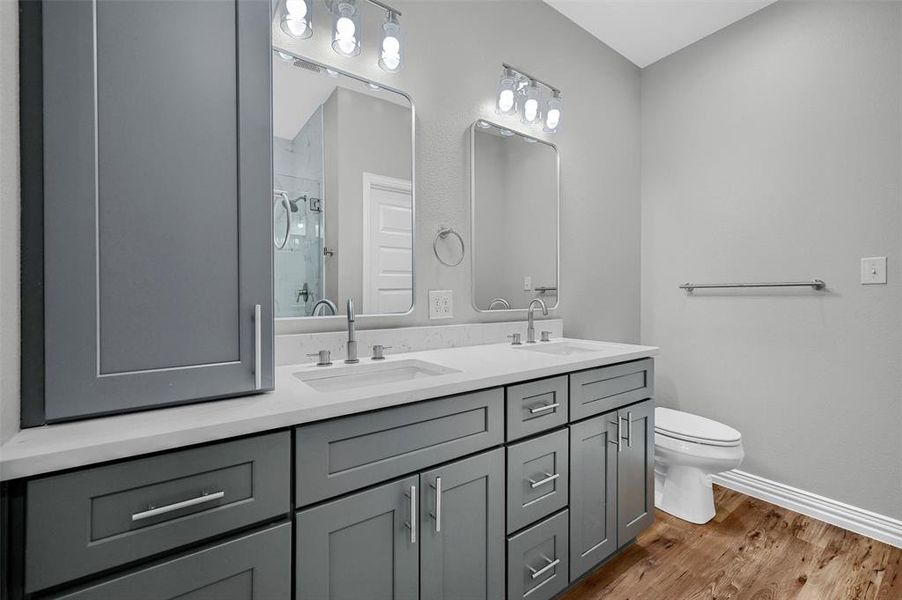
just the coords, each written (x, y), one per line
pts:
(693, 428)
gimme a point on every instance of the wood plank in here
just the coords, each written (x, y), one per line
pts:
(751, 550)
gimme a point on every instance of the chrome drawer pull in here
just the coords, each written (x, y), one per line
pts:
(549, 477)
(412, 523)
(437, 515)
(551, 564)
(153, 512)
(258, 347)
(619, 439)
(629, 429)
(543, 408)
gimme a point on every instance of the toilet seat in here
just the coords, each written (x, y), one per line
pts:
(687, 427)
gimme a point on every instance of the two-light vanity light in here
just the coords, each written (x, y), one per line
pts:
(534, 100)
(297, 22)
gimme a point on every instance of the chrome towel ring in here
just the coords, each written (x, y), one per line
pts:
(444, 232)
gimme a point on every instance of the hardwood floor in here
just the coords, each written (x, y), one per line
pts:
(751, 550)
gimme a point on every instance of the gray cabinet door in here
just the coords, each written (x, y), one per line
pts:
(538, 479)
(256, 566)
(537, 560)
(157, 185)
(636, 470)
(593, 492)
(462, 529)
(362, 547)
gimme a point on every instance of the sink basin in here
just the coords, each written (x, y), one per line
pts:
(347, 377)
(562, 348)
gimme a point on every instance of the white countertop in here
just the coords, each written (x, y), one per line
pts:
(56, 447)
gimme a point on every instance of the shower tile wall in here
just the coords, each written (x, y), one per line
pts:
(298, 170)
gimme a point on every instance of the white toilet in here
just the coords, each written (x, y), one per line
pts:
(688, 450)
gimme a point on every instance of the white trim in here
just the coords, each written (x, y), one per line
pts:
(858, 520)
(393, 184)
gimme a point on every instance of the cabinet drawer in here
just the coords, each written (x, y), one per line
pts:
(599, 390)
(251, 567)
(537, 563)
(345, 454)
(536, 406)
(86, 521)
(537, 479)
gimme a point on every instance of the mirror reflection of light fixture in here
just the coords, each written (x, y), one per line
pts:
(553, 112)
(297, 19)
(345, 31)
(506, 102)
(390, 57)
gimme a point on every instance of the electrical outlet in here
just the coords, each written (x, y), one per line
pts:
(441, 304)
(527, 283)
(873, 270)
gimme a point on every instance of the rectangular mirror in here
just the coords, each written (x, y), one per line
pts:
(515, 201)
(343, 201)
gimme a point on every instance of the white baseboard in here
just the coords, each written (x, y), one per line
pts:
(879, 527)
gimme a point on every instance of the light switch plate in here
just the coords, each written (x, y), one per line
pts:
(873, 270)
(441, 304)
(527, 283)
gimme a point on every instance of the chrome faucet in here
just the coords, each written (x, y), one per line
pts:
(352, 335)
(530, 320)
(323, 304)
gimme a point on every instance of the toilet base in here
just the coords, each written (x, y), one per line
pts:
(685, 493)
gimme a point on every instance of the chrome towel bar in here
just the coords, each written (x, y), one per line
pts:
(816, 284)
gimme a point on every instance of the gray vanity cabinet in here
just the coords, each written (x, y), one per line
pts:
(462, 529)
(156, 205)
(593, 492)
(636, 470)
(362, 546)
(255, 566)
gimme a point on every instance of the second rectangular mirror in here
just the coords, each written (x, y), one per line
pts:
(515, 204)
(343, 205)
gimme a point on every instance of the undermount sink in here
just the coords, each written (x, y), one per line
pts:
(346, 377)
(562, 348)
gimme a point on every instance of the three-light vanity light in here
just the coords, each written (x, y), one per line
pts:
(533, 99)
(297, 22)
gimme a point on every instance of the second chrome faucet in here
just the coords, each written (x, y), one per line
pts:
(352, 335)
(530, 319)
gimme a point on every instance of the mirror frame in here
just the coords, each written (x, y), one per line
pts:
(295, 324)
(557, 246)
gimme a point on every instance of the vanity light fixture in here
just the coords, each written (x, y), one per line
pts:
(297, 18)
(553, 112)
(529, 112)
(345, 31)
(535, 100)
(506, 102)
(390, 57)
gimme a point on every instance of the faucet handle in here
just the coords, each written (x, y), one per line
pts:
(546, 336)
(379, 351)
(515, 339)
(324, 358)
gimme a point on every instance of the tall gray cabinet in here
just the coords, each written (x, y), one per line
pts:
(157, 264)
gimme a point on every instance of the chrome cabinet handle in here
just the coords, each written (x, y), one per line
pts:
(258, 346)
(629, 429)
(618, 441)
(536, 573)
(543, 408)
(549, 477)
(437, 515)
(153, 512)
(412, 523)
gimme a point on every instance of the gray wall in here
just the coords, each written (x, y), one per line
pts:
(773, 150)
(454, 55)
(9, 220)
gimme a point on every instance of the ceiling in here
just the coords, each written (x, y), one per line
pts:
(645, 31)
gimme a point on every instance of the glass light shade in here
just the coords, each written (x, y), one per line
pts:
(390, 57)
(297, 19)
(506, 102)
(529, 111)
(345, 36)
(553, 113)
